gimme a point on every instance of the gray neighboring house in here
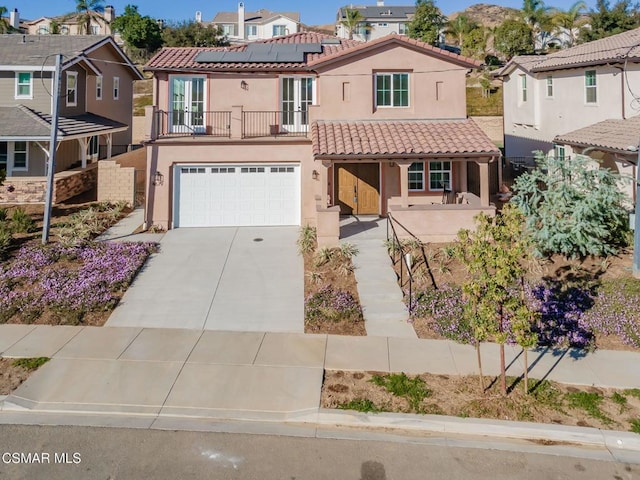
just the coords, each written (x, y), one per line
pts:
(243, 26)
(379, 20)
(95, 111)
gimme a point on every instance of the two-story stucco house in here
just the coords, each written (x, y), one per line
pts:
(303, 128)
(243, 26)
(547, 98)
(95, 111)
(66, 24)
(377, 20)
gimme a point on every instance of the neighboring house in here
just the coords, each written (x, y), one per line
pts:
(68, 24)
(94, 111)
(547, 97)
(378, 21)
(301, 129)
(242, 27)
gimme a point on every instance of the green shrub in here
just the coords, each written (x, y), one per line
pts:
(21, 222)
(307, 240)
(3, 214)
(360, 405)
(413, 389)
(30, 363)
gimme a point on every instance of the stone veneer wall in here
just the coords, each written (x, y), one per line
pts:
(116, 183)
(67, 184)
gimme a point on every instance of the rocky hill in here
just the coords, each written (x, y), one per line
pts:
(487, 15)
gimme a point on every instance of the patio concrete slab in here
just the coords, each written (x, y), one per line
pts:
(420, 356)
(162, 345)
(232, 348)
(98, 385)
(10, 334)
(357, 353)
(201, 388)
(99, 342)
(292, 349)
(42, 341)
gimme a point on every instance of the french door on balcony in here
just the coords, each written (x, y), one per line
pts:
(297, 96)
(187, 105)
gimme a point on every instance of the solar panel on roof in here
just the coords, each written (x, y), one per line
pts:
(262, 53)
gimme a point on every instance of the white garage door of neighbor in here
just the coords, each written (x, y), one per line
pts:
(236, 195)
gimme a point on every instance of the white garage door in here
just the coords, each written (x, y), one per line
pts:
(236, 195)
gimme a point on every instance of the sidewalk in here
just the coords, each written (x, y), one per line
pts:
(165, 378)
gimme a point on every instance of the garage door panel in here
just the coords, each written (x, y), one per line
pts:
(233, 195)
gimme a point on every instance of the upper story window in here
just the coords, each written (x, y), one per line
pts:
(402, 29)
(523, 88)
(549, 86)
(95, 29)
(392, 89)
(251, 30)
(279, 30)
(383, 24)
(228, 29)
(72, 89)
(43, 30)
(116, 88)
(590, 86)
(558, 151)
(99, 87)
(24, 85)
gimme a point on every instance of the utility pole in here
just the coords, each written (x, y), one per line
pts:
(52, 149)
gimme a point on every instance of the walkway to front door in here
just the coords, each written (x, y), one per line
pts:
(358, 188)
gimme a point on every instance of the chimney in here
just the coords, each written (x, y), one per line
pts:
(109, 13)
(380, 3)
(14, 19)
(198, 17)
(240, 32)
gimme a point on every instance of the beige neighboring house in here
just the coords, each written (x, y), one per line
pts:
(377, 20)
(243, 26)
(301, 129)
(554, 103)
(94, 111)
(69, 25)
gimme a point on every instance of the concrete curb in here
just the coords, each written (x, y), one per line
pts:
(619, 444)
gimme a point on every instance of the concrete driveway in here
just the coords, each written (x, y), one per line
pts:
(227, 278)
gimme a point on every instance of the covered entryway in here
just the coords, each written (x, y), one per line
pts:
(358, 188)
(236, 195)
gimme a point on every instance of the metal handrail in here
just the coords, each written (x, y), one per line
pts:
(402, 259)
(275, 123)
(186, 122)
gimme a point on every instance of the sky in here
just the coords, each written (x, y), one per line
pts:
(312, 12)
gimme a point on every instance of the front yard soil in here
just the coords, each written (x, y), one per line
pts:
(12, 375)
(462, 396)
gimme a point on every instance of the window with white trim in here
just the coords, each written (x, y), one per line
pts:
(416, 176)
(549, 86)
(24, 85)
(558, 151)
(279, 30)
(439, 175)
(20, 156)
(99, 87)
(523, 88)
(251, 30)
(95, 29)
(94, 146)
(116, 88)
(590, 86)
(228, 29)
(402, 29)
(392, 89)
(72, 89)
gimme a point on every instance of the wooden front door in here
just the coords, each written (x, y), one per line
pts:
(358, 186)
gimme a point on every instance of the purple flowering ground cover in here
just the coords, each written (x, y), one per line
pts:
(58, 284)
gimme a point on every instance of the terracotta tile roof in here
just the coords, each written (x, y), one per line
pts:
(401, 39)
(400, 138)
(613, 135)
(182, 58)
(527, 62)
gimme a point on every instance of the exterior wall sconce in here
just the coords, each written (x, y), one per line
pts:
(315, 175)
(158, 178)
(244, 85)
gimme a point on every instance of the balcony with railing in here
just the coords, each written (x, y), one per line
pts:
(236, 124)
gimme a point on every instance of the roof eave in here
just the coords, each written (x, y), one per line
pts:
(592, 63)
(400, 156)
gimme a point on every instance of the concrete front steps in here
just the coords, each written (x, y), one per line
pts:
(384, 311)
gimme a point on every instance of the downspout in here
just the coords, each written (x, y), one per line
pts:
(624, 112)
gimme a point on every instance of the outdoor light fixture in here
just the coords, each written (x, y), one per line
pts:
(158, 178)
(315, 175)
(244, 85)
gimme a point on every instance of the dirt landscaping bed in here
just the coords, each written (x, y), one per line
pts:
(462, 396)
(15, 371)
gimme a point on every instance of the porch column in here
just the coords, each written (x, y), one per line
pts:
(109, 145)
(404, 182)
(324, 182)
(463, 179)
(83, 151)
(484, 182)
